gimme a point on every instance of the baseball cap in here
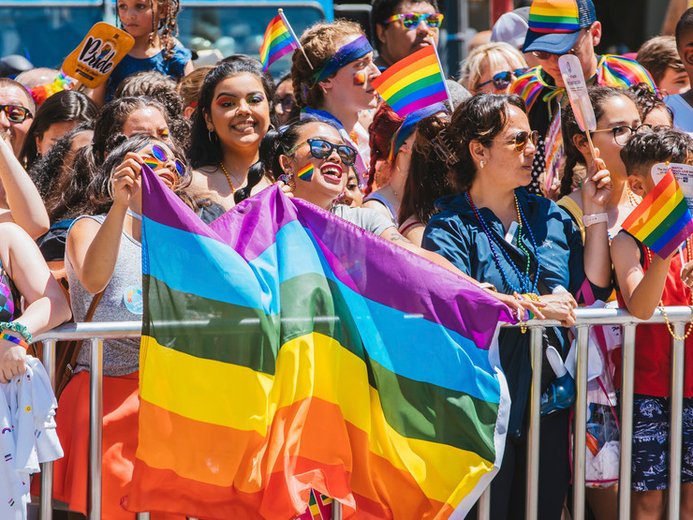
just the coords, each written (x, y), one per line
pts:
(511, 27)
(554, 25)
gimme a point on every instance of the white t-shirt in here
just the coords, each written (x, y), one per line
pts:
(683, 112)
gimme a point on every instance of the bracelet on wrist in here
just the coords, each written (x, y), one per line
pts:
(17, 327)
(15, 339)
(595, 218)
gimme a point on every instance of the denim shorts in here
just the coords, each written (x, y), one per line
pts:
(650, 463)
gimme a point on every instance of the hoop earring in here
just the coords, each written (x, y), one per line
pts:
(212, 135)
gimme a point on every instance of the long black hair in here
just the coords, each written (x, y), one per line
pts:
(64, 106)
(205, 147)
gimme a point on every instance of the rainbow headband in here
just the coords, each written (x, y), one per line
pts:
(409, 125)
(352, 51)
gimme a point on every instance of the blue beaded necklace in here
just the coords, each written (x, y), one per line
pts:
(526, 284)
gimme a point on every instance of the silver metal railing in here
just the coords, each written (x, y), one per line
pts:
(678, 316)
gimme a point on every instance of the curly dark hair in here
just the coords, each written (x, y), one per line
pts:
(112, 119)
(167, 26)
(569, 128)
(205, 147)
(661, 145)
(98, 199)
(61, 107)
(61, 186)
(647, 101)
(481, 118)
(155, 85)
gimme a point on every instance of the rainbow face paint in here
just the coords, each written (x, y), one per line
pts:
(306, 173)
(352, 51)
(359, 78)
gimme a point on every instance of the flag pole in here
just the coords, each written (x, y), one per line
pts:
(293, 34)
(445, 83)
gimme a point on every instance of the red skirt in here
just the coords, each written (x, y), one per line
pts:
(70, 474)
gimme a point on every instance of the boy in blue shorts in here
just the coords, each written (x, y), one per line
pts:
(646, 281)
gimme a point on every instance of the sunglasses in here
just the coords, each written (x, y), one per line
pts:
(502, 80)
(159, 158)
(321, 149)
(522, 139)
(412, 20)
(16, 113)
(543, 55)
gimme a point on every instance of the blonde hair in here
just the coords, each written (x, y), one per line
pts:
(319, 42)
(190, 85)
(485, 55)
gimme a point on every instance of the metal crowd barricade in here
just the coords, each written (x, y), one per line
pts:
(586, 318)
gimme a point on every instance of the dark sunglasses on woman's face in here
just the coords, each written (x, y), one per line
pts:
(502, 80)
(322, 149)
(523, 138)
(159, 158)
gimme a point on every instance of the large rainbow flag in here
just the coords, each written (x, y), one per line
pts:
(279, 40)
(662, 221)
(412, 83)
(330, 359)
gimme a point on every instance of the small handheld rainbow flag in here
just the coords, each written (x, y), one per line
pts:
(413, 83)
(662, 221)
(279, 40)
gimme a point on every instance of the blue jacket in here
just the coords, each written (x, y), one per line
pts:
(455, 233)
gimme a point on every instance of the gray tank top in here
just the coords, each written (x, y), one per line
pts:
(121, 301)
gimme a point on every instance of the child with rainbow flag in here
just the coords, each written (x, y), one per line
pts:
(649, 277)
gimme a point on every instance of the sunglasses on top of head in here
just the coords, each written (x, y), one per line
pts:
(501, 80)
(159, 158)
(412, 20)
(322, 149)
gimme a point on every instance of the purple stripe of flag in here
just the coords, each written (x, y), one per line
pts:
(423, 103)
(158, 201)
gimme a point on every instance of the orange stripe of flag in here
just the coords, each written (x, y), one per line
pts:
(655, 199)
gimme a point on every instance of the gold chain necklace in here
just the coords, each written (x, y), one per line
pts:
(689, 327)
(228, 177)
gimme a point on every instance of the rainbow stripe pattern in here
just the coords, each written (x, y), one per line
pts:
(612, 71)
(278, 41)
(412, 83)
(306, 173)
(554, 16)
(662, 221)
(329, 359)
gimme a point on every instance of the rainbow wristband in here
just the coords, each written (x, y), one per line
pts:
(14, 326)
(15, 340)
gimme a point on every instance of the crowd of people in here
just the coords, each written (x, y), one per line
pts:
(499, 184)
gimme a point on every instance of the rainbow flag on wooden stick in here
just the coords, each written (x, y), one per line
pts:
(413, 83)
(330, 359)
(662, 221)
(279, 40)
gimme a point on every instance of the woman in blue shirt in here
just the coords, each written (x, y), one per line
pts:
(495, 231)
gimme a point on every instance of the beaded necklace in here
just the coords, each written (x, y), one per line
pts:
(526, 284)
(689, 327)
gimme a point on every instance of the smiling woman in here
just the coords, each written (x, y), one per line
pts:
(231, 118)
(336, 85)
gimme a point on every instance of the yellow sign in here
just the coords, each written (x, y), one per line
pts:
(95, 58)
